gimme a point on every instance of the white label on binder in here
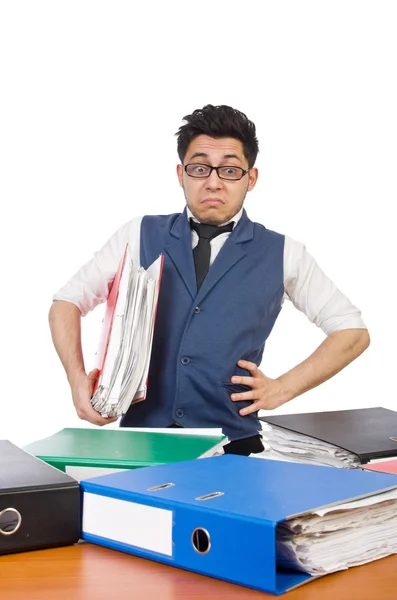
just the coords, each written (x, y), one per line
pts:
(145, 527)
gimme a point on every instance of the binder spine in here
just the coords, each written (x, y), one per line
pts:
(48, 518)
(239, 550)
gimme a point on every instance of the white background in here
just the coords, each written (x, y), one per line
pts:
(91, 96)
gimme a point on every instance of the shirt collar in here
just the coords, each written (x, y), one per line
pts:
(236, 217)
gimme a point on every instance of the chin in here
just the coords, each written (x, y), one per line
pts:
(211, 221)
(213, 217)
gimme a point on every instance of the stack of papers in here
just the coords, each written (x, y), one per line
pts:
(341, 536)
(127, 336)
(284, 444)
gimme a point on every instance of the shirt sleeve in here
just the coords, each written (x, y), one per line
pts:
(314, 294)
(91, 284)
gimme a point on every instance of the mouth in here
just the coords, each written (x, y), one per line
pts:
(212, 201)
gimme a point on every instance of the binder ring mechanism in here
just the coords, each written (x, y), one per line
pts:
(201, 539)
(10, 521)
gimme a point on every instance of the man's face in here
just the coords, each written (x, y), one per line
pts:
(214, 200)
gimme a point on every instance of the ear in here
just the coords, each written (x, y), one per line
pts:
(179, 172)
(252, 178)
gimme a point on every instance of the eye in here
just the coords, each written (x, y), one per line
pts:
(230, 172)
(197, 169)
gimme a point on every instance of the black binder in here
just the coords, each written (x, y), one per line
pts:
(39, 505)
(367, 432)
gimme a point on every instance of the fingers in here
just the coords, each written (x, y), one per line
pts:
(107, 420)
(87, 412)
(250, 395)
(92, 416)
(81, 398)
(246, 364)
(250, 381)
(93, 375)
(254, 407)
(101, 421)
(91, 378)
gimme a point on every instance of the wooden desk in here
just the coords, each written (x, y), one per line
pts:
(88, 572)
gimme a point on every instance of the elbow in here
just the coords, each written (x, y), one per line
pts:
(50, 314)
(366, 338)
(61, 310)
(353, 341)
(363, 341)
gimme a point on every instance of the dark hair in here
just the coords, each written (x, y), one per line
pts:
(218, 122)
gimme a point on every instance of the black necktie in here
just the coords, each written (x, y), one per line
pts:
(202, 252)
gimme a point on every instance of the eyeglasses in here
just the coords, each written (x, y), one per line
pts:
(230, 173)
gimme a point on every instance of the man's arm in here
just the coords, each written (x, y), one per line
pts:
(337, 351)
(88, 288)
(65, 325)
(334, 354)
(314, 294)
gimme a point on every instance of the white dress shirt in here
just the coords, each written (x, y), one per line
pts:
(305, 284)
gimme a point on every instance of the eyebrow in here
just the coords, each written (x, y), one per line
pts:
(205, 155)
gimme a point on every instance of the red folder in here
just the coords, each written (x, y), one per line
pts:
(108, 320)
(384, 466)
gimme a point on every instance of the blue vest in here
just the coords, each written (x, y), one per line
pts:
(200, 336)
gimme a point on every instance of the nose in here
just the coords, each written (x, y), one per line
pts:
(213, 182)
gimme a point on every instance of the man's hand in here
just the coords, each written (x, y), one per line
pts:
(337, 350)
(265, 393)
(82, 388)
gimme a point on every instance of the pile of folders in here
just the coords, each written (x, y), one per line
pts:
(125, 344)
(190, 506)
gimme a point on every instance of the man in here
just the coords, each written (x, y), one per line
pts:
(224, 282)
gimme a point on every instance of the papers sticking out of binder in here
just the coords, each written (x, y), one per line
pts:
(291, 446)
(339, 537)
(366, 434)
(125, 346)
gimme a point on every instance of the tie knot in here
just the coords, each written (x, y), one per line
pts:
(207, 231)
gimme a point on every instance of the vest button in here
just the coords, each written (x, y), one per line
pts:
(185, 360)
(179, 413)
(196, 310)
